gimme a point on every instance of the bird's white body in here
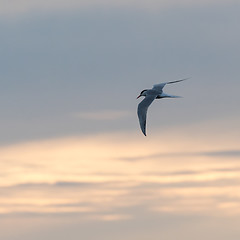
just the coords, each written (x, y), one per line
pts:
(150, 95)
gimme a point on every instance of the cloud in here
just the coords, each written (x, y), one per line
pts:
(21, 7)
(64, 184)
(110, 217)
(103, 115)
(83, 175)
(225, 154)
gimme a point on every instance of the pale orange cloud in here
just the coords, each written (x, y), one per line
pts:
(94, 174)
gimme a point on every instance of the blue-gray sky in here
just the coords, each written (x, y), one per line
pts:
(74, 161)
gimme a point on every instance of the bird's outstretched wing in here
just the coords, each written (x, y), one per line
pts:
(142, 111)
(159, 87)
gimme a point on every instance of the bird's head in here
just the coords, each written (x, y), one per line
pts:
(143, 93)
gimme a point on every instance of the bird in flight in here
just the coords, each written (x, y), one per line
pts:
(150, 94)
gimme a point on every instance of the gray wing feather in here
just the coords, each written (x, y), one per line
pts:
(159, 87)
(142, 111)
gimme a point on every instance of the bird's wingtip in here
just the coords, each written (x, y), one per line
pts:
(180, 80)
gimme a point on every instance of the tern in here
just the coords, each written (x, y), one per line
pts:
(150, 94)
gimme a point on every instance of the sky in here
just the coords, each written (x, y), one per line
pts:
(74, 163)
